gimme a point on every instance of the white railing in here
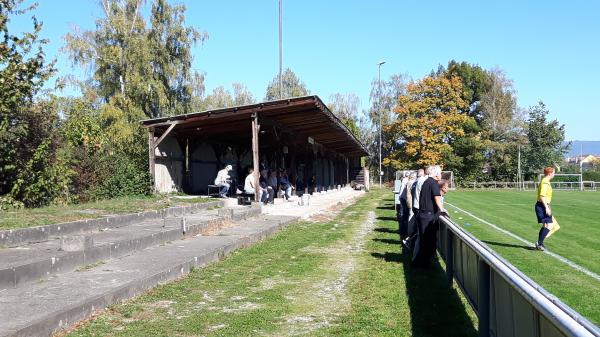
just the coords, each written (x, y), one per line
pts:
(507, 302)
(532, 185)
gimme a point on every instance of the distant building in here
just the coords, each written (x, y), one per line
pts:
(586, 162)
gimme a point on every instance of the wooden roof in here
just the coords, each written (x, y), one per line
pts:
(303, 117)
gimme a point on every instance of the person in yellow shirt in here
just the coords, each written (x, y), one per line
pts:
(543, 211)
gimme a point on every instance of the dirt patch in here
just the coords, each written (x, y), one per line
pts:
(320, 302)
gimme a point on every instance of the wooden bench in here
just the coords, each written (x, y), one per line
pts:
(211, 187)
(245, 198)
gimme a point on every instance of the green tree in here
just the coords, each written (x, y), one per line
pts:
(292, 86)
(384, 98)
(476, 82)
(23, 71)
(546, 145)
(149, 68)
(346, 108)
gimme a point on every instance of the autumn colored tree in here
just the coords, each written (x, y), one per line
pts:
(431, 114)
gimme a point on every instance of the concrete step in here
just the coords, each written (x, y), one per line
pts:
(19, 236)
(43, 308)
(34, 262)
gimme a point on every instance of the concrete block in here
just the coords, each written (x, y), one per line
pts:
(225, 213)
(7, 278)
(95, 254)
(172, 235)
(76, 243)
(257, 205)
(33, 271)
(122, 248)
(67, 262)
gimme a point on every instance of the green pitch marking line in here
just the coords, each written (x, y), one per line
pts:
(514, 236)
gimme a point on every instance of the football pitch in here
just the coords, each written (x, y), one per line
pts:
(578, 214)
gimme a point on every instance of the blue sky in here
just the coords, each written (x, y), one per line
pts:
(550, 49)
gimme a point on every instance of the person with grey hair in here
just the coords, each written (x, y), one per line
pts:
(223, 182)
(412, 178)
(430, 208)
(421, 177)
(404, 210)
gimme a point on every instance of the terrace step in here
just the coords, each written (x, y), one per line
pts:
(43, 308)
(34, 262)
(19, 236)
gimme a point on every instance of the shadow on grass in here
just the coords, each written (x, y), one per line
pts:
(435, 307)
(390, 241)
(387, 218)
(386, 230)
(388, 207)
(501, 244)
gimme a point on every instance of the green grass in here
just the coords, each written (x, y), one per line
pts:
(338, 276)
(29, 217)
(577, 240)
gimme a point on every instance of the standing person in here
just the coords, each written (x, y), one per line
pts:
(443, 188)
(416, 188)
(412, 178)
(415, 191)
(404, 210)
(223, 182)
(543, 211)
(430, 207)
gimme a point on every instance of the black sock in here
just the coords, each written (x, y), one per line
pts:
(542, 235)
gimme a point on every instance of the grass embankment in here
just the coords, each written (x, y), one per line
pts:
(577, 240)
(340, 275)
(29, 217)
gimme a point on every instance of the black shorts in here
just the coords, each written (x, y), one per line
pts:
(540, 213)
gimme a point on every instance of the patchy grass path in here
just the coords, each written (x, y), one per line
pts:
(341, 274)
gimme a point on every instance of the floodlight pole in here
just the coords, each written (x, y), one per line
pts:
(519, 168)
(280, 48)
(380, 126)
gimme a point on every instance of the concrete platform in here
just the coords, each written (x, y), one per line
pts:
(46, 307)
(19, 236)
(34, 262)
(135, 257)
(319, 202)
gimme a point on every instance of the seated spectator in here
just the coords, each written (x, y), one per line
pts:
(312, 184)
(223, 181)
(250, 188)
(285, 185)
(300, 187)
(264, 186)
(272, 186)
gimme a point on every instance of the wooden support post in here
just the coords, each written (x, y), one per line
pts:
(151, 157)
(165, 134)
(255, 158)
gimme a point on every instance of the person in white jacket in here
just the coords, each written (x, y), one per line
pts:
(222, 180)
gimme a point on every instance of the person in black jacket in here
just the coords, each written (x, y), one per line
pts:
(430, 208)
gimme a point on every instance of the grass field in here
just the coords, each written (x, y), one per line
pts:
(340, 275)
(578, 240)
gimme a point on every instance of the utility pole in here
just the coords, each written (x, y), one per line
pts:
(280, 48)
(380, 126)
(519, 168)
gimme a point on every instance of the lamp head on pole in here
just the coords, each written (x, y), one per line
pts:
(381, 63)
